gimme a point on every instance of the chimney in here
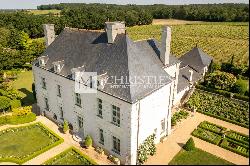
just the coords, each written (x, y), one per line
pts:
(49, 32)
(165, 44)
(191, 76)
(113, 29)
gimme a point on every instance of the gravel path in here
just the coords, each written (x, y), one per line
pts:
(173, 143)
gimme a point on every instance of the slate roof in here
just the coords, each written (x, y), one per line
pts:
(195, 58)
(124, 58)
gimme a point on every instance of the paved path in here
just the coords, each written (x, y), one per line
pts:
(174, 142)
(68, 142)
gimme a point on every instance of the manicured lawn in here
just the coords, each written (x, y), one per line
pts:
(197, 157)
(71, 156)
(23, 84)
(21, 144)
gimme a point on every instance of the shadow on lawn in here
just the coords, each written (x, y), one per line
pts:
(181, 144)
(28, 99)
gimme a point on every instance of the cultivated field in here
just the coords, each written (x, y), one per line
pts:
(38, 12)
(174, 22)
(220, 40)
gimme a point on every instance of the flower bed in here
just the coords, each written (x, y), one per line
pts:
(235, 147)
(220, 107)
(21, 144)
(178, 116)
(71, 156)
(207, 136)
(238, 137)
(212, 127)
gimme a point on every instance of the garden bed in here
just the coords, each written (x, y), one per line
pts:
(71, 156)
(220, 107)
(21, 144)
(207, 136)
(233, 141)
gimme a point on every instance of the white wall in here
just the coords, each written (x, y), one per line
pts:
(88, 111)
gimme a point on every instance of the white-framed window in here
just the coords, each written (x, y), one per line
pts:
(46, 103)
(116, 115)
(78, 101)
(116, 145)
(99, 110)
(59, 90)
(101, 136)
(80, 122)
(61, 112)
(162, 125)
(43, 83)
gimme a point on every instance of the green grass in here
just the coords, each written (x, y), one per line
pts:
(23, 143)
(220, 40)
(41, 12)
(23, 84)
(197, 157)
(71, 156)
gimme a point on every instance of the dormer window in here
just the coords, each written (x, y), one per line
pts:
(58, 66)
(42, 60)
(74, 71)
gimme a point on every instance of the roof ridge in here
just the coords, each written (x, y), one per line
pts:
(79, 29)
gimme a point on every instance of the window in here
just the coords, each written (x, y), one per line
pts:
(99, 113)
(80, 122)
(55, 117)
(116, 145)
(61, 112)
(162, 125)
(43, 83)
(101, 136)
(78, 99)
(58, 90)
(116, 115)
(46, 104)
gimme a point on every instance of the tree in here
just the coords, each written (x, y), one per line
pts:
(4, 37)
(220, 80)
(189, 146)
(4, 103)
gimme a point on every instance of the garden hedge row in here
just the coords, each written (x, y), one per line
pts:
(51, 160)
(224, 119)
(14, 120)
(21, 161)
(229, 135)
(204, 126)
(225, 145)
(222, 92)
(215, 141)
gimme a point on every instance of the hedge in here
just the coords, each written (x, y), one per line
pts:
(224, 119)
(204, 126)
(225, 145)
(15, 103)
(48, 162)
(21, 161)
(222, 92)
(14, 120)
(231, 133)
(197, 134)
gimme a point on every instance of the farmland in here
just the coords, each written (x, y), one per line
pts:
(219, 40)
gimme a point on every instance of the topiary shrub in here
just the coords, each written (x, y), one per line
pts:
(88, 141)
(189, 146)
(239, 87)
(65, 126)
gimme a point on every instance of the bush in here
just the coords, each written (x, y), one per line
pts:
(146, 148)
(236, 148)
(88, 141)
(239, 87)
(178, 116)
(15, 119)
(189, 146)
(207, 136)
(4, 103)
(15, 103)
(65, 126)
(212, 127)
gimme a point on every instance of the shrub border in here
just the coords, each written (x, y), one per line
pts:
(225, 146)
(48, 162)
(204, 139)
(232, 138)
(222, 128)
(21, 161)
